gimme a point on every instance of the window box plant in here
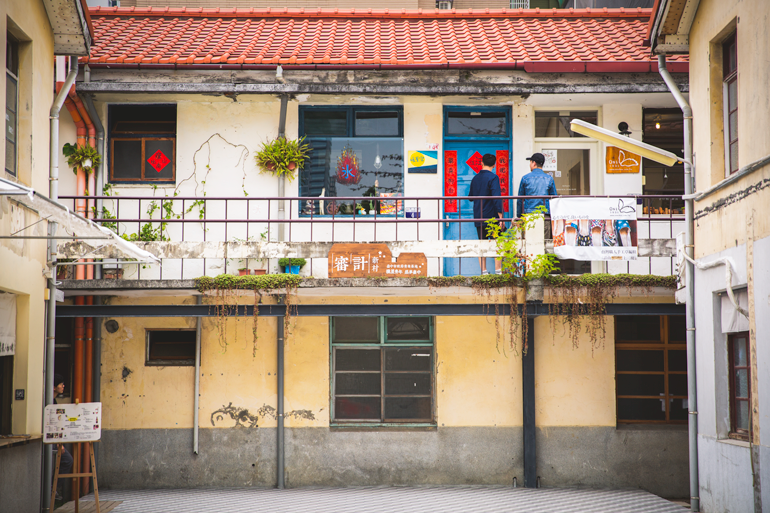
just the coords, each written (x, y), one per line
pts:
(292, 265)
(282, 156)
(85, 157)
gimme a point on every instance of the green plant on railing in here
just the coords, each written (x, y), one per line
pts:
(282, 156)
(508, 242)
(85, 157)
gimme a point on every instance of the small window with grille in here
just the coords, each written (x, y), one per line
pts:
(170, 347)
(382, 370)
(142, 143)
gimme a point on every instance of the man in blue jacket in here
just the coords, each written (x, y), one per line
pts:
(536, 183)
(486, 183)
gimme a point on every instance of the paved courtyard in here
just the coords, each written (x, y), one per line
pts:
(418, 499)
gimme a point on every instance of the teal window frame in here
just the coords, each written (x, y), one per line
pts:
(383, 344)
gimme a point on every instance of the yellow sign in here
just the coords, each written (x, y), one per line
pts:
(422, 161)
(622, 161)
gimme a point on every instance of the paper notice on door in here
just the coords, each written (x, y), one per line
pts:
(550, 160)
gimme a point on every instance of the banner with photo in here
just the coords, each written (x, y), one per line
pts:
(594, 228)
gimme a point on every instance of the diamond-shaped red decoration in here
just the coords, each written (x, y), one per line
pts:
(158, 161)
(474, 162)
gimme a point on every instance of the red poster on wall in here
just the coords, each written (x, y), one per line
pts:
(502, 171)
(450, 181)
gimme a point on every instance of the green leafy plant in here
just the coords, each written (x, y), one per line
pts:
(286, 262)
(282, 156)
(514, 261)
(85, 157)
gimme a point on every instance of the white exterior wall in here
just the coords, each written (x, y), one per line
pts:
(217, 139)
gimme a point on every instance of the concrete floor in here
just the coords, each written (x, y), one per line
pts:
(407, 499)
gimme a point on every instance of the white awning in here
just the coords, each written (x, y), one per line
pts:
(72, 224)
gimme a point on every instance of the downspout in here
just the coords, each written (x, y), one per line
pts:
(198, 301)
(280, 329)
(94, 115)
(53, 193)
(692, 394)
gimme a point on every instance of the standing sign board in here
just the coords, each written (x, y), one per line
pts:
(67, 423)
(374, 260)
(594, 228)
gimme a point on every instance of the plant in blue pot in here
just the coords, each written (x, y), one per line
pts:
(292, 265)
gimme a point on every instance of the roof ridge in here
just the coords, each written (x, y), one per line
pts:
(283, 12)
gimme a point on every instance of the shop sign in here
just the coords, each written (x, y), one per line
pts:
(422, 161)
(594, 228)
(374, 260)
(67, 423)
(622, 161)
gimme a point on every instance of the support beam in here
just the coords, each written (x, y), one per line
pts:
(528, 404)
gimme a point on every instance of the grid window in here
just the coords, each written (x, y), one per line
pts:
(170, 347)
(382, 370)
(740, 388)
(11, 103)
(355, 151)
(651, 369)
(142, 143)
(730, 98)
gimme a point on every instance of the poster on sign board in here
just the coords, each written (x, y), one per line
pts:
(594, 228)
(67, 423)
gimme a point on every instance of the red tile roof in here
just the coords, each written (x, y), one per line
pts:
(569, 40)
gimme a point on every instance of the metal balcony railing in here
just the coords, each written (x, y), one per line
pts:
(299, 219)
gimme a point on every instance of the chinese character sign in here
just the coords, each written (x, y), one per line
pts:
(374, 260)
(594, 228)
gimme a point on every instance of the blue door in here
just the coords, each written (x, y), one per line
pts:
(468, 163)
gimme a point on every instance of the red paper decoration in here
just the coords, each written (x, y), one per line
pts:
(450, 181)
(158, 161)
(502, 171)
(474, 162)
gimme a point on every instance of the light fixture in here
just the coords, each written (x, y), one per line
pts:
(623, 127)
(378, 159)
(626, 143)
(657, 125)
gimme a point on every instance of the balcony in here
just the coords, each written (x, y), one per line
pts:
(207, 236)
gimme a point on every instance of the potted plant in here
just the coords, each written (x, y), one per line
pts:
(292, 265)
(85, 157)
(282, 156)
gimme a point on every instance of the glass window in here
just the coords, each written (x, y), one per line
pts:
(477, 123)
(730, 99)
(557, 123)
(651, 369)
(387, 376)
(740, 387)
(11, 103)
(142, 143)
(170, 347)
(355, 152)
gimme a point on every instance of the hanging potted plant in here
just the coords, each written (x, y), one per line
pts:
(282, 156)
(292, 265)
(85, 157)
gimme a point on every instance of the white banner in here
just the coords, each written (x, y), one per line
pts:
(594, 228)
(65, 423)
(7, 324)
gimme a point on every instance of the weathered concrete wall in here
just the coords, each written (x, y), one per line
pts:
(20, 472)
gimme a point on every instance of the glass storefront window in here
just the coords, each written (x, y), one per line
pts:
(368, 160)
(556, 124)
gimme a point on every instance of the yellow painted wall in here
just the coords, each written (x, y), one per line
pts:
(22, 263)
(478, 383)
(714, 21)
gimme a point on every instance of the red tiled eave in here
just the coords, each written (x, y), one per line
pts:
(553, 40)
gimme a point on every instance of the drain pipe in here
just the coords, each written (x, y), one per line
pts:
(94, 115)
(279, 414)
(282, 180)
(692, 393)
(53, 193)
(198, 301)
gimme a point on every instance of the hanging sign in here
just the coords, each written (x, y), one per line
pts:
(374, 260)
(7, 324)
(422, 161)
(622, 161)
(594, 228)
(65, 423)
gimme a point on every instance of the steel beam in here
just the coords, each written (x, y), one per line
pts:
(528, 405)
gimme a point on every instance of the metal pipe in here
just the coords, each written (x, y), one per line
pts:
(97, 375)
(528, 405)
(281, 179)
(198, 301)
(53, 193)
(692, 393)
(100, 147)
(279, 414)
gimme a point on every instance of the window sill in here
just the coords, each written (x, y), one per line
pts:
(737, 443)
(383, 427)
(143, 185)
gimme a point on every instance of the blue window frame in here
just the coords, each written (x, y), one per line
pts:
(372, 139)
